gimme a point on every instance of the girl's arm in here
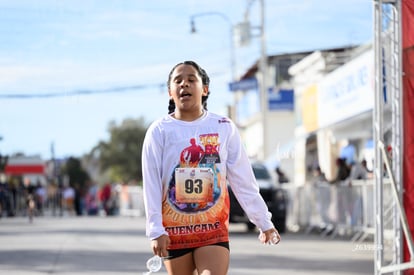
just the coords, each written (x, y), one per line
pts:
(152, 182)
(243, 183)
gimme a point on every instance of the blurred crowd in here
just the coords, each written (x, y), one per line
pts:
(17, 197)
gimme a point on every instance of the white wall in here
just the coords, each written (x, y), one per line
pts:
(281, 142)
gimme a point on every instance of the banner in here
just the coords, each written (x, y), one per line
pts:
(408, 117)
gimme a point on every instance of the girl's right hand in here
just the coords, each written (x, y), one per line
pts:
(160, 244)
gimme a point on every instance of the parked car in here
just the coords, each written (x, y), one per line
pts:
(274, 196)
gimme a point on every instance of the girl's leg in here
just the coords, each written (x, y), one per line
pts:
(183, 265)
(212, 260)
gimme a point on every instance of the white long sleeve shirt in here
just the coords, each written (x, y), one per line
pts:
(186, 167)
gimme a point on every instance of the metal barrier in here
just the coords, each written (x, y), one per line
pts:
(345, 209)
(129, 202)
(331, 210)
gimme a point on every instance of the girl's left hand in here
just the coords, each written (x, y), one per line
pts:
(270, 236)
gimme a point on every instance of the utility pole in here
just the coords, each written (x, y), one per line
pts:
(264, 105)
(263, 88)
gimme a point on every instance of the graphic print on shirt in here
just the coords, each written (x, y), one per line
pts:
(195, 185)
(195, 212)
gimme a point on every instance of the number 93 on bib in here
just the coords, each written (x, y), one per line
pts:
(194, 185)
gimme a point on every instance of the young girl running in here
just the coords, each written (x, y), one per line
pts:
(188, 158)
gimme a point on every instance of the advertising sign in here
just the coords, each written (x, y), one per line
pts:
(244, 85)
(347, 91)
(281, 100)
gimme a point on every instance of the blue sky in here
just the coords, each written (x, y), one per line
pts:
(66, 46)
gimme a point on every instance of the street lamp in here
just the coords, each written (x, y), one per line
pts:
(232, 47)
(244, 35)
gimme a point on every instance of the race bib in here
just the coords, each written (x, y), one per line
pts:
(194, 185)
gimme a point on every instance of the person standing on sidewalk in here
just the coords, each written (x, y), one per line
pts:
(187, 159)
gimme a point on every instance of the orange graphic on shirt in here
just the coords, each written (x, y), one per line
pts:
(191, 156)
(196, 208)
(211, 148)
(197, 229)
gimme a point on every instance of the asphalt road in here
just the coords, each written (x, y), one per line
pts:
(117, 245)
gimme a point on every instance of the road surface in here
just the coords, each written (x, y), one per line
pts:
(117, 245)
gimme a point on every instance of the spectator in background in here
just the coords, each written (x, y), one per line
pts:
(281, 176)
(40, 197)
(31, 206)
(358, 171)
(319, 176)
(92, 199)
(3, 196)
(365, 166)
(52, 193)
(105, 197)
(342, 171)
(323, 199)
(78, 199)
(69, 198)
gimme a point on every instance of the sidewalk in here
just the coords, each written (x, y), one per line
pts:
(117, 245)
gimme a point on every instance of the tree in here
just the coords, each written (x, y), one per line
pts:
(121, 155)
(74, 170)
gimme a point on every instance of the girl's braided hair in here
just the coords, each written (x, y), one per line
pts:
(205, 80)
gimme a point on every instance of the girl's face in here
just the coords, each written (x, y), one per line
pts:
(187, 89)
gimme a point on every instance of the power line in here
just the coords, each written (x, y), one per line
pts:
(82, 92)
